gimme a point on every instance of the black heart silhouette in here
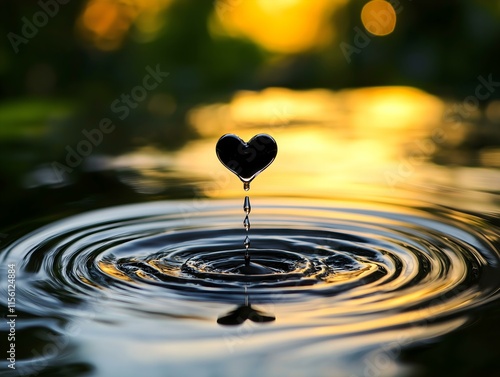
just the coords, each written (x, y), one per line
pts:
(246, 160)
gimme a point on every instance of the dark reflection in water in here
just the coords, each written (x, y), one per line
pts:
(242, 313)
(245, 312)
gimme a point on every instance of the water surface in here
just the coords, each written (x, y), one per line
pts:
(372, 240)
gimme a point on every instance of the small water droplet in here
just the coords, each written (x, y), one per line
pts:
(246, 186)
(246, 205)
(246, 223)
(246, 242)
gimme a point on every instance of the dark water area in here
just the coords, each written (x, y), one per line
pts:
(375, 250)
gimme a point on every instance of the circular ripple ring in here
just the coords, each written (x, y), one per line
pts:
(367, 258)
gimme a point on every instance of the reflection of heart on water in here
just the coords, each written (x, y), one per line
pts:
(242, 313)
(246, 160)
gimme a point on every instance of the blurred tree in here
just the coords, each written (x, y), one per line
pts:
(440, 46)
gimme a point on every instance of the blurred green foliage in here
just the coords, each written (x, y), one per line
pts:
(438, 46)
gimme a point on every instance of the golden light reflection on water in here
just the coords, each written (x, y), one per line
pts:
(110, 269)
(327, 141)
(378, 143)
(366, 110)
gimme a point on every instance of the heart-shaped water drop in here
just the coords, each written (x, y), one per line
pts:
(246, 160)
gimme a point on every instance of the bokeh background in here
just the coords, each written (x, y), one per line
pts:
(370, 98)
(396, 88)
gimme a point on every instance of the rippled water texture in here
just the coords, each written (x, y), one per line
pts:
(342, 277)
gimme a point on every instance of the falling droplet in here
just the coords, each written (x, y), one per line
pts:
(246, 223)
(247, 242)
(228, 150)
(246, 205)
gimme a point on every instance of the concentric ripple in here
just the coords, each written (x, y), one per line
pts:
(328, 278)
(371, 258)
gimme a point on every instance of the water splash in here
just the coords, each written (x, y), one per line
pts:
(247, 160)
(358, 251)
(246, 223)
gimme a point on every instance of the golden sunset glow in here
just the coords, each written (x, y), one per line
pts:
(378, 17)
(287, 26)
